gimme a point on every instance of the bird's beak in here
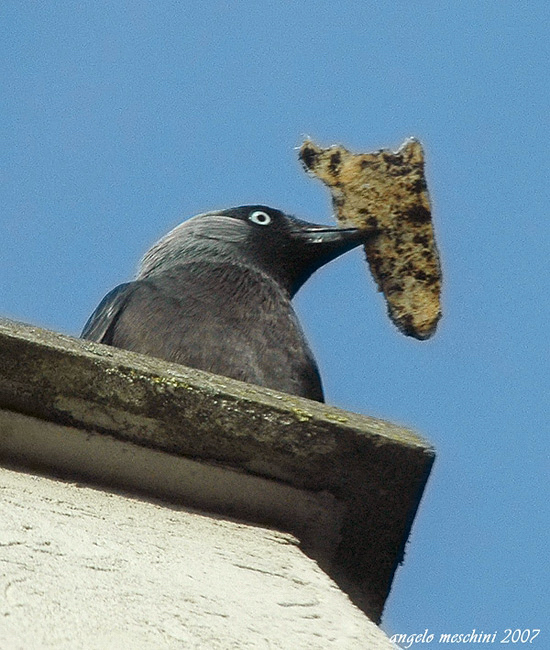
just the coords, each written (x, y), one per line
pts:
(324, 235)
(329, 239)
(317, 245)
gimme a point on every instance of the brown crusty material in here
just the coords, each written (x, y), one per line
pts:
(387, 191)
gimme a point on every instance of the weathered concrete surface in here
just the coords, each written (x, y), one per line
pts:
(88, 569)
(369, 472)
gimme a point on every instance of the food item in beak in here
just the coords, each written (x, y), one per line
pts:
(387, 190)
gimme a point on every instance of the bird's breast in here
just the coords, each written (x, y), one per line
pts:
(226, 319)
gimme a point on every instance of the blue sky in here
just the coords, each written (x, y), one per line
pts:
(120, 119)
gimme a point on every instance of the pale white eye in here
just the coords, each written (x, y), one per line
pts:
(259, 217)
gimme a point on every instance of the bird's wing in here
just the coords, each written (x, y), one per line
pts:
(100, 325)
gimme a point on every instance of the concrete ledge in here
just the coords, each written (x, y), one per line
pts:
(347, 485)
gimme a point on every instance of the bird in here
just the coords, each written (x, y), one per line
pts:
(215, 294)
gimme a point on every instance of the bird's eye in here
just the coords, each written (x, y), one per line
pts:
(259, 217)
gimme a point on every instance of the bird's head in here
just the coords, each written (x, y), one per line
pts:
(256, 236)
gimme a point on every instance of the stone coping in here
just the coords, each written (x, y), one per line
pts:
(347, 485)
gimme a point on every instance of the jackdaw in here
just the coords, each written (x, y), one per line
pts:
(215, 293)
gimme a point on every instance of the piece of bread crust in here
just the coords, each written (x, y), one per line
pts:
(387, 191)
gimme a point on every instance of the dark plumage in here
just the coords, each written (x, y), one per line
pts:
(215, 294)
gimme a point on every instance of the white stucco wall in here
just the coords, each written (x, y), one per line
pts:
(82, 568)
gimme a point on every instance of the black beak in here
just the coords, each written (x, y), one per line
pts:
(313, 234)
(325, 241)
(317, 245)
